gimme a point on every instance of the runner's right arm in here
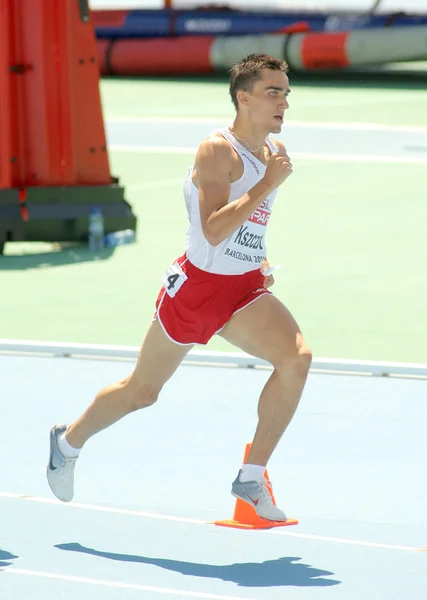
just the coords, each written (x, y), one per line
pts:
(220, 218)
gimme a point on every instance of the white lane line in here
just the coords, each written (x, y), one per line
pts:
(371, 158)
(150, 515)
(158, 119)
(349, 541)
(303, 124)
(120, 511)
(153, 149)
(155, 184)
(119, 584)
(413, 148)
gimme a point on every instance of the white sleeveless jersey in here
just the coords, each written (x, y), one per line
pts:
(244, 250)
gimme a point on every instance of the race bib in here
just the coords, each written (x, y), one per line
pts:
(173, 279)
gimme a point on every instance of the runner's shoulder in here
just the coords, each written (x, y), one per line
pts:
(215, 146)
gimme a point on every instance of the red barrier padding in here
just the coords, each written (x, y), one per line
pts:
(50, 101)
(5, 133)
(156, 56)
(103, 47)
(325, 50)
(90, 149)
(53, 156)
(300, 27)
(109, 18)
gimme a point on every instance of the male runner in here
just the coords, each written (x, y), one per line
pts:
(218, 286)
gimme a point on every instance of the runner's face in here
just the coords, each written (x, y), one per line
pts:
(268, 100)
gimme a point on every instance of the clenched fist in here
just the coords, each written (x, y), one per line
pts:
(279, 167)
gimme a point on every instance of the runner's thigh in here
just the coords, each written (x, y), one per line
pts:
(266, 329)
(158, 358)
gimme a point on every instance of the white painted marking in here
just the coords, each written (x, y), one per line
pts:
(354, 126)
(155, 184)
(153, 149)
(371, 158)
(149, 515)
(303, 124)
(119, 584)
(349, 541)
(122, 511)
(158, 119)
(363, 158)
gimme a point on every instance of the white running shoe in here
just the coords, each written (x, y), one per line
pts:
(256, 494)
(60, 469)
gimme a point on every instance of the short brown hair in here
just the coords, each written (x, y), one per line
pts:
(248, 70)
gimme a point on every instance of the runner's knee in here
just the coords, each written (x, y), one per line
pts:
(297, 362)
(142, 395)
(304, 360)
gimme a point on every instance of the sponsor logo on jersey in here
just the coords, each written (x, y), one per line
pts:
(260, 217)
(247, 239)
(253, 163)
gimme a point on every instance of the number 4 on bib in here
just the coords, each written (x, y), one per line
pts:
(173, 279)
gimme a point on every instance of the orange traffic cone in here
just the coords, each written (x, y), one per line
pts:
(245, 516)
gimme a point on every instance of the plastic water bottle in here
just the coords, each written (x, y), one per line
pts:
(119, 238)
(96, 230)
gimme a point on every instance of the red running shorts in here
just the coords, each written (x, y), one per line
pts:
(194, 304)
